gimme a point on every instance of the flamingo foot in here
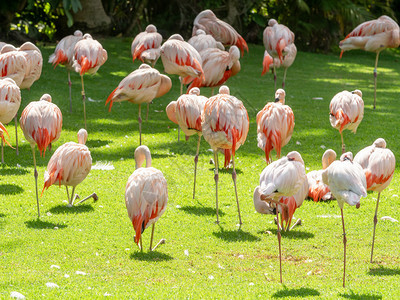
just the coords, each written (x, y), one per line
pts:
(161, 242)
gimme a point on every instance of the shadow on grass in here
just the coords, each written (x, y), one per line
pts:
(223, 170)
(383, 271)
(201, 211)
(293, 234)
(39, 224)
(236, 236)
(150, 256)
(10, 189)
(13, 171)
(64, 209)
(352, 295)
(97, 143)
(300, 292)
(2, 215)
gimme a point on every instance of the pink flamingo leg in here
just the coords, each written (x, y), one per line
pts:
(344, 246)
(375, 222)
(216, 182)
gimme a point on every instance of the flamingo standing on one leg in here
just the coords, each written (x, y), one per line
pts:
(146, 45)
(278, 40)
(69, 166)
(180, 58)
(10, 101)
(89, 56)
(317, 189)
(225, 124)
(64, 55)
(287, 61)
(220, 30)
(346, 180)
(275, 124)
(146, 196)
(34, 61)
(3, 140)
(41, 123)
(346, 112)
(13, 64)
(186, 112)
(373, 36)
(282, 178)
(140, 86)
(378, 163)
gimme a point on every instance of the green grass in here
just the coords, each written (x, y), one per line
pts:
(224, 262)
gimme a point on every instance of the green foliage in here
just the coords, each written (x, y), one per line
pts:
(223, 262)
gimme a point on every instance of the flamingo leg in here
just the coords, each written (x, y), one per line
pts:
(278, 232)
(2, 151)
(94, 196)
(141, 244)
(375, 222)
(344, 253)
(375, 76)
(179, 128)
(69, 85)
(151, 239)
(16, 133)
(216, 181)
(83, 100)
(274, 69)
(196, 159)
(284, 78)
(147, 111)
(234, 183)
(36, 177)
(66, 187)
(71, 201)
(298, 222)
(140, 126)
(343, 145)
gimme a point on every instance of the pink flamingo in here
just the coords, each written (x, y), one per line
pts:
(13, 64)
(140, 86)
(34, 64)
(146, 196)
(10, 101)
(277, 40)
(346, 180)
(317, 189)
(200, 41)
(218, 66)
(69, 166)
(3, 140)
(281, 178)
(346, 112)
(41, 123)
(220, 30)
(64, 55)
(378, 163)
(225, 124)
(89, 56)
(186, 112)
(146, 45)
(275, 124)
(373, 36)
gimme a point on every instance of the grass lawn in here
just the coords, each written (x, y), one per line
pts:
(200, 259)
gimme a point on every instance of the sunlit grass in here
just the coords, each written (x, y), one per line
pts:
(200, 259)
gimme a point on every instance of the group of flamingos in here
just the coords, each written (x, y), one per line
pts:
(222, 119)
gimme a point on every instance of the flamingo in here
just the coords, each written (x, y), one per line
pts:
(186, 112)
(13, 64)
(278, 40)
(373, 36)
(3, 140)
(225, 124)
(146, 196)
(346, 112)
(201, 41)
(10, 101)
(41, 123)
(218, 66)
(378, 163)
(275, 124)
(69, 166)
(287, 61)
(220, 30)
(140, 86)
(64, 55)
(317, 189)
(34, 64)
(89, 56)
(146, 45)
(282, 178)
(346, 180)
(2, 44)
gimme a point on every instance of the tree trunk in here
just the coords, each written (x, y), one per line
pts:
(92, 17)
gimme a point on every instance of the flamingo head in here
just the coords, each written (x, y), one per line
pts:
(224, 90)
(78, 33)
(151, 28)
(380, 143)
(194, 91)
(295, 156)
(272, 22)
(280, 96)
(46, 97)
(176, 36)
(357, 92)
(200, 32)
(328, 157)
(82, 136)
(347, 156)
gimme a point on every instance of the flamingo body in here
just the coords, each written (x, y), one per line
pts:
(89, 55)
(146, 45)
(13, 64)
(10, 100)
(276, 38)
(64, 52)
(34, 61)
(201, 41)
(287, 60)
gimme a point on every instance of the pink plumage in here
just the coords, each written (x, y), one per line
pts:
(10, 100)
(220, 30)
(200, 41)
(146, 45)
(34, 64)
(276, 38)
(146, 193)
(64, 52)
(13, 64)
(275, 124)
